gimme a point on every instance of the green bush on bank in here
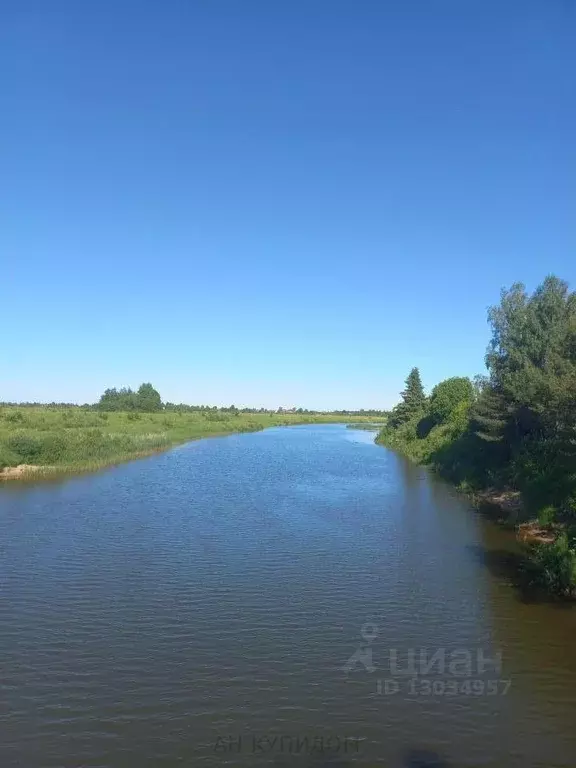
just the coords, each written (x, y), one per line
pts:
(8, 458)
(556, 565)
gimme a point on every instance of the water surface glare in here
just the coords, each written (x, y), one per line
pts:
(293, 597)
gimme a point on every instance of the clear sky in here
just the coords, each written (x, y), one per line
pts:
(275, 203)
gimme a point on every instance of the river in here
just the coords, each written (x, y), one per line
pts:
(293, 597)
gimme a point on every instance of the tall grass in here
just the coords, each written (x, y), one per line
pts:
(76, 438)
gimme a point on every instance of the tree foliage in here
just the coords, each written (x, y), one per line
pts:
(516, 427)
(412, 403)
(146, 399)
(448, 396)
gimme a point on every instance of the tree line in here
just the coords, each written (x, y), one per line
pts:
(147, 399)
(514, 428)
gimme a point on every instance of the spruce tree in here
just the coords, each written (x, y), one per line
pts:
(413, 396)
(413, 401)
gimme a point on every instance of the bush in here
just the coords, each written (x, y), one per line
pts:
(216, 416)
(556, 565)
(14, 417)
(26, 446)
(8, 458)
(53, 449)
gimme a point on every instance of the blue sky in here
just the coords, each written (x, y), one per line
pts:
(275, 203)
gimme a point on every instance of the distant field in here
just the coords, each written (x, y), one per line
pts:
(52, 440)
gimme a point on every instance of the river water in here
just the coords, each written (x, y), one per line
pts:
(293, 597)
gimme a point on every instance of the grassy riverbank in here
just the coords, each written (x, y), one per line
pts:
(510, 438)
(48, 440)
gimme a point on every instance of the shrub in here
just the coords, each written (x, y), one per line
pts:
(216, 416)
(53, 449)
(26, 446)
(8, 458)
(14, 417)
(90, 443)
(556, 564)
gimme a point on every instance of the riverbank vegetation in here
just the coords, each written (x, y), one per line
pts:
(124, 424)
(511, 433)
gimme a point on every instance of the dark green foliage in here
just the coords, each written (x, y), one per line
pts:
(556, 565)
(412, 403)
(490, 414)
(515, 428)
(146, 400)
(27, 447)
(413, 395)
(118, 400)
(532, 363)
(425, 426)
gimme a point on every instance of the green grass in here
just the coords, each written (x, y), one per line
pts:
(75, 439)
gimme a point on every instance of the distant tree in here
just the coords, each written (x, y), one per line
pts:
(125, 399)
(148, 399)
(117, 400)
